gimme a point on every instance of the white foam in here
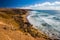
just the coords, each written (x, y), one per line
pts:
(37, 19)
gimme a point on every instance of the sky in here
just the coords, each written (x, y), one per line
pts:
(32, 4)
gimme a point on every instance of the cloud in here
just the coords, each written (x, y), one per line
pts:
(44, 6)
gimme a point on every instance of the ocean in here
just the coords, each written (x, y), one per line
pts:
(47, 21)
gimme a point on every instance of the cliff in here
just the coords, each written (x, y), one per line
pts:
(15, 26)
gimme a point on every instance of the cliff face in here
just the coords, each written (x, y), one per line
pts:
(15, 26)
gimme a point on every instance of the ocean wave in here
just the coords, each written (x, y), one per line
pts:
(45, 22)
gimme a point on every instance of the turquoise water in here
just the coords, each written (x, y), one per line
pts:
(47, 21)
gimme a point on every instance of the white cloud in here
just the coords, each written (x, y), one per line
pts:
(45, 6)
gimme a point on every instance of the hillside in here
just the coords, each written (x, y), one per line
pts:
(15, 26)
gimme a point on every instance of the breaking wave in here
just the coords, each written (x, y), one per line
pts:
(46, 22)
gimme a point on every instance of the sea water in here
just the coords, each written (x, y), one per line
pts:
(47, 21)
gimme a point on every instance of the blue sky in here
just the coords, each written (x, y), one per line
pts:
(21, 3)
